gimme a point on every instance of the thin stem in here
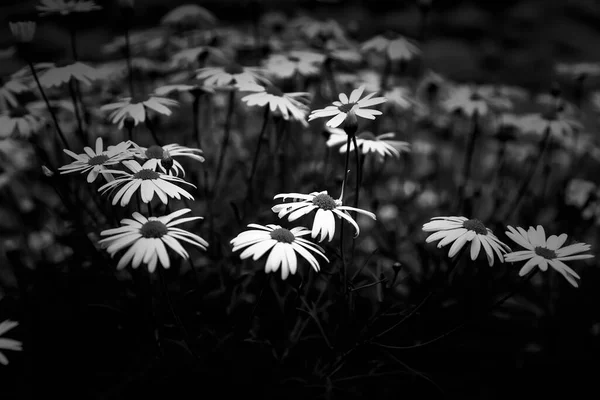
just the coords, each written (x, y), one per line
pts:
(468, 159)
(226, 135)
(387, 69)
(76, 110)
(129, 62)
(149, 206)
(150, 127)
(328, 65)
(344, 271)
(195, 122)
(261, 138)
(358, 173)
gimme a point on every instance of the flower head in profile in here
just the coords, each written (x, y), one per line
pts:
(471, 100)
(147, 181)
(8, 344)
(65, 7)
(320, 32)
(10, 88)
(20, 122)
(62, 73)
(148, 240)
(541, 251)
(137, 107)
(340, 109)
(283, 104)
(395, 47)
(23, 31)
(302, 62)
(229, 76)
(459, 231)
(160, 157)
(281, 244)
(326, 209)
(381, 145)
(97, 161)
(556, 120)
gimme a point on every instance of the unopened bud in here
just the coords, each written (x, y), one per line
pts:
(23, 31)
(397, 267)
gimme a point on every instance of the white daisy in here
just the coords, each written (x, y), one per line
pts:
(61, 73)
(283, 104)
(541, 251)
(23, 31)
(96, 162)
(327, 207)
(283, 245)
(302, 62)
(156, 157)
(469, 100)
(346, 104)
(65, 7)
(461, 230)
(10, 87)
(20, 122)
(395, 47)
(148, 239)
(230, 75)
(137, 108)
(559, 123)
(369, 143)
(8, 344)
(148, 182)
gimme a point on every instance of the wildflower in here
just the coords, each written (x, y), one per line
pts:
(459, 231)
(230, 75)
(148, 239)
(61, 73)
(23, 32)
(400, 98)
(189, 15)
(584, 195)
(285, 104)
(95, 162)
(556, 120)
(578, 70)
(187, 57)
(327, 207)
(9, 89)
(369, 143)
(320, 33)
(282, 245)
(340, 109)
(302, 62)
(506, 127)
(154, 155)
(148, 182)
(541, 251)
(66, 7)
(8, 344)
(136, 108)
(395, 47)
(470, 100)
(20, 121)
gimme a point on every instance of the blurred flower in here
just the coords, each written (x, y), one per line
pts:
(148, 182)
(188, 57)
(227, 77)
(189, 16)
(21, 122)
(327, 207)
(154, 154)
(341, 108)
(148, 239)
(459, 231)
(65, 7)
(285, 104)
(430, 87)
(400, 98)
(281, 244)
(23, 32)
(394, 46)
(470, 100)
(542, 252)
(137, 107)
(578, 192)
(61, 73)
(320, 33)
(8, 344)
(506, 127)
(578, 70)
(96, 162)
(369, 143)
(302, 62)
(9, 88)
(556, 120)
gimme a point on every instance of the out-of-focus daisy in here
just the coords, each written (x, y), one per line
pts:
(578, 70)
(506, 91)
(541, 251)
(11, 87)
(327, 208)
(8, 344)
(97, 161)
(281, 244)
(230, 75)
(319, 32)
(345, 105)
(157, 157)
(190, 56)
(459, 231)
(400, 98)
(395, 47)
(148, 239)
(369, 143)
(556, 120)
(506, 127)
(584, 195)
(136, 108)
(302, 62)
(23, 31)
(148, 181)
(189, 16)
(62, 73)
(286, 105)
(65, 7)
(20, 122)
(470, 100)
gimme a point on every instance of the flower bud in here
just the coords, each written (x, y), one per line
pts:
(23, 31)
(351, 123)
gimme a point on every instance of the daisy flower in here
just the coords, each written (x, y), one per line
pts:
(327, 207)
(369, 143)
(541, 251)
(188, 15)
(19, 121)
(395, 47)
(9, 89)
(154, 157)
(65, 7)
(23, 31)
(345, 105)
(284, 104)
(148, 239)
(226, 77)
(187, 57)
(459, 231)
(148, 182)
(470, 100)
(301, 62)
(578, 70)
(95, 162)
(8, 344)
(557, 121)
(61, 73)
(136, 108)
(320, 32)
(281, 244)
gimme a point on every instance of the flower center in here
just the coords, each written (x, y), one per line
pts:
(324, 201)
(233, 69)
(546, 253)
(476, 97)
(154, 229)
(138, 99)
(476, 226)
(274, 90)
(19, 112)
(294, 59)
(367, 136)
(283, 235)
(146, 174)
(345, 108)
(155, 151)
(98, 160)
